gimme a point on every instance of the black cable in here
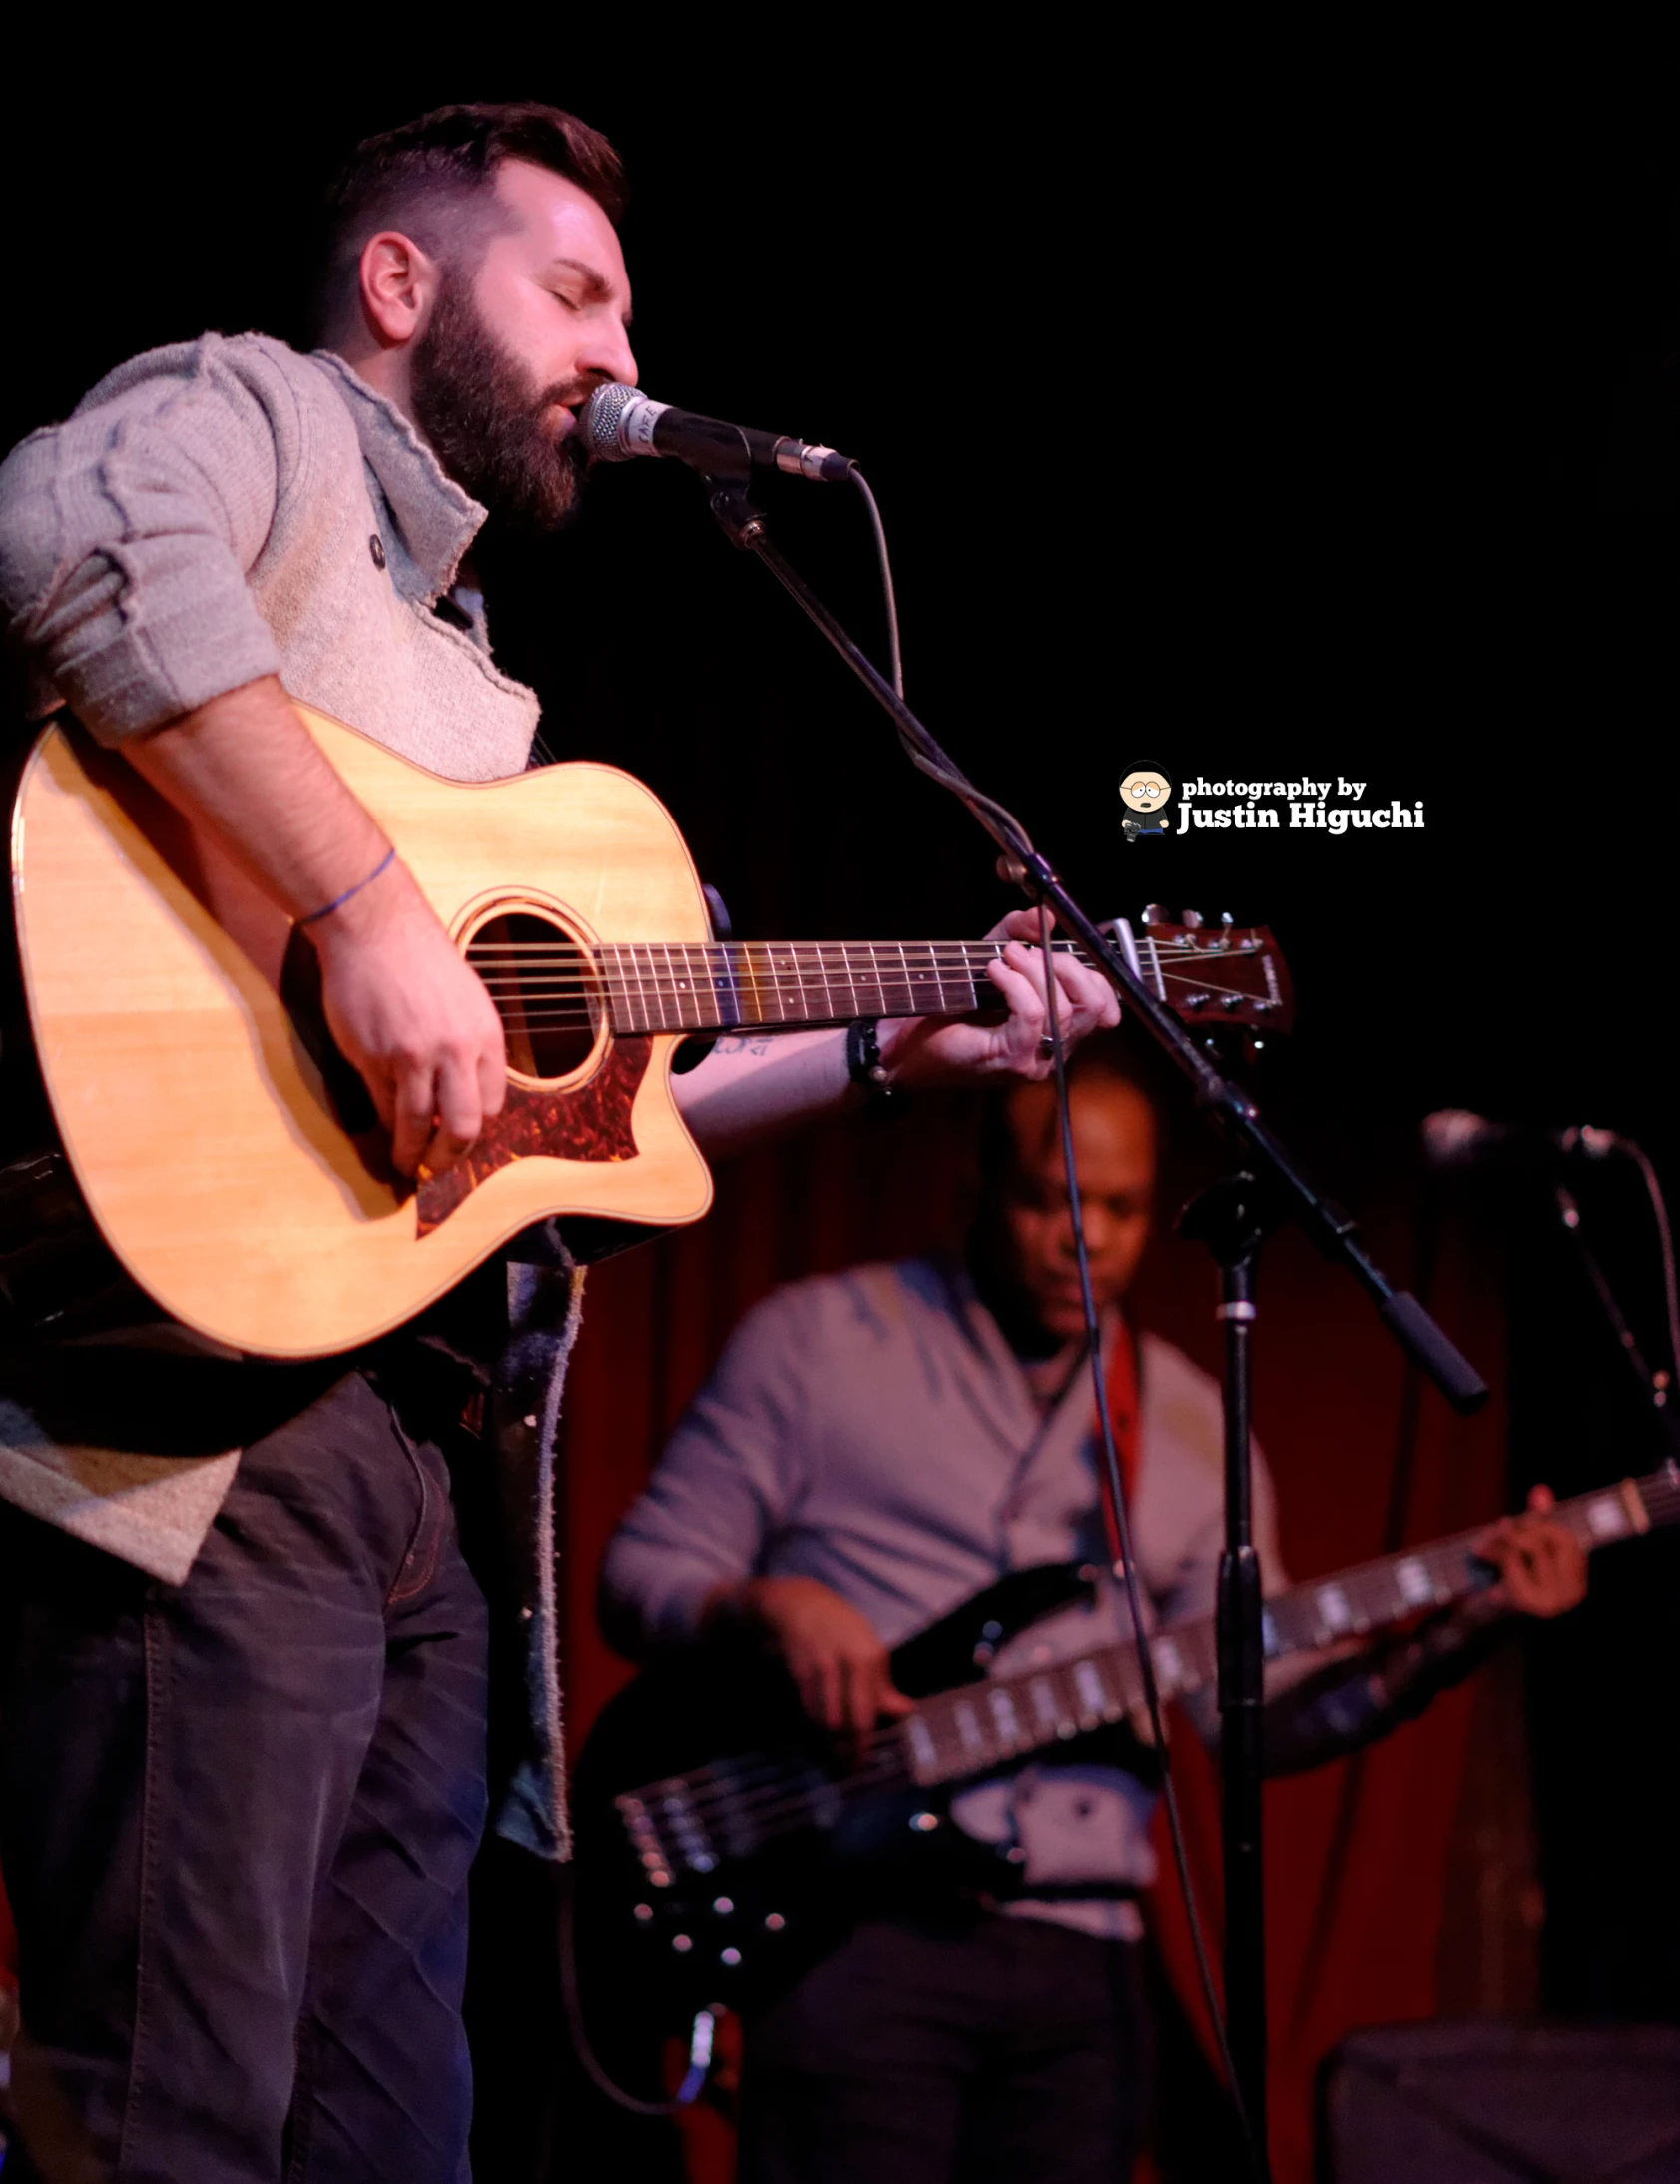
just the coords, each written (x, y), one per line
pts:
(948, 776)
(572, 2002)
(1128, 1562)
(895, 656)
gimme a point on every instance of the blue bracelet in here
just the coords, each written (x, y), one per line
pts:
(339, 900)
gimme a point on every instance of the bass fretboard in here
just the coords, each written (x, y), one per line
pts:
(730, 1807)
(977, 1726)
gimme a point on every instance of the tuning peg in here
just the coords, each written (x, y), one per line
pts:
(1191, 920)
(1226, 918)
(1155, 914)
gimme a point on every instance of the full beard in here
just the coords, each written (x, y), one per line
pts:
(478, 408)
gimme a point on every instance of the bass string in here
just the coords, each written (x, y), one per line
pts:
(801, 1777)
(764, 1769)
(778, 1793)
(791, 1801)
(1117, 1660)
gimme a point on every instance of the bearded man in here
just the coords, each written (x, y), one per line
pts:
(243, 1737)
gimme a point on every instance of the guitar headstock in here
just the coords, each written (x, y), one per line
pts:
(1211, 973)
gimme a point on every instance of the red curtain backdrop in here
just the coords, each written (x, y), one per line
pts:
(1353, 1941)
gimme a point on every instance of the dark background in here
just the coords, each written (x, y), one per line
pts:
(1246, 412)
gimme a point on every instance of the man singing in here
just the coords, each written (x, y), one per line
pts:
(242, 1740)
(876, 1447)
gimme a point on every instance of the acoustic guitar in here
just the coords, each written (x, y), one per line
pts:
(231, 1157)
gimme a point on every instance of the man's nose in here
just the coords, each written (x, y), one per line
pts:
(608, 353)
(1096, 1225)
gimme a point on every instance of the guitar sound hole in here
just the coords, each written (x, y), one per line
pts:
(545, 989)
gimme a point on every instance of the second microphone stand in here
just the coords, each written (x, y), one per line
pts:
(1230, 1219)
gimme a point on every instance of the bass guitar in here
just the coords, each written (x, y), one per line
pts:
(230, 1156)
(722, 1845)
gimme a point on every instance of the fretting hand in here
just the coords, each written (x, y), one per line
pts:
(924, 1050)
(1542, 1567)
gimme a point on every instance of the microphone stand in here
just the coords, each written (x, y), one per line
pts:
(1656, 1392)
(1231, 1218)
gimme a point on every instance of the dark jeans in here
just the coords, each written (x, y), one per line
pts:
(237, 1819)
(990, 2051)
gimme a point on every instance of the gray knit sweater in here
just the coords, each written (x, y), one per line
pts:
(211, 513)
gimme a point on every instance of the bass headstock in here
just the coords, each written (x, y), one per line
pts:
(1211, 973)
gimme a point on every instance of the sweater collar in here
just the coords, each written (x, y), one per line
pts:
(437, 521)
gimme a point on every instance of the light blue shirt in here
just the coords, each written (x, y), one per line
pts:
(874, 1430)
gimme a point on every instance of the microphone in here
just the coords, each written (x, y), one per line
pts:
(618, 422)
(1455, 1139)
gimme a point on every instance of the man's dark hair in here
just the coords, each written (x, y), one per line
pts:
(1116, 1055)
(434, 179)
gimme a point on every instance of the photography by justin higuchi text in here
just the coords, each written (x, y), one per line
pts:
(1335, 806)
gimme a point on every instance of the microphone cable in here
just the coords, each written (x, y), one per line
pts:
(1665, 1246)
(895, 658)
(948, 776)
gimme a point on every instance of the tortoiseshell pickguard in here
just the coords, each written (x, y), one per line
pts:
(590, 1121)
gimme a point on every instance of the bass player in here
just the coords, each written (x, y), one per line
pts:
(873, 1449)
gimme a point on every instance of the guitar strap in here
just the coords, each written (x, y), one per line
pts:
(1120, 1380)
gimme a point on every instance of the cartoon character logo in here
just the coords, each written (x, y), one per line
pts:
(1144, 792)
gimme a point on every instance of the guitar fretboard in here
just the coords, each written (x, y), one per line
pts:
(981, 1725)
(722, 985)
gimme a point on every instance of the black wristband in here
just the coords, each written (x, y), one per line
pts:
(863, 1064)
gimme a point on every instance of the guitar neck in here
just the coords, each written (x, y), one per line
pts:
(767, 986)
(977, 1726)
(781, 985)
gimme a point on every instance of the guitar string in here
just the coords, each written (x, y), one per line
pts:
(673, 988)
(564, 944)
(782, 1799)
(726, 951)
(659, 1021)
(668, 980)
(871, 958)
(558, 988)
(676, 980)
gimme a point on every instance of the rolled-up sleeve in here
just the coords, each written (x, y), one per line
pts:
(126, 535)
(727, 1478)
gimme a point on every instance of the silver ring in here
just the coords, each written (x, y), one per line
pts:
(1046, 1047)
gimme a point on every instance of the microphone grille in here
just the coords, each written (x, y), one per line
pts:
(603, 415)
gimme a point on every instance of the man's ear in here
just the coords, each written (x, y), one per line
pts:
(398, 287)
